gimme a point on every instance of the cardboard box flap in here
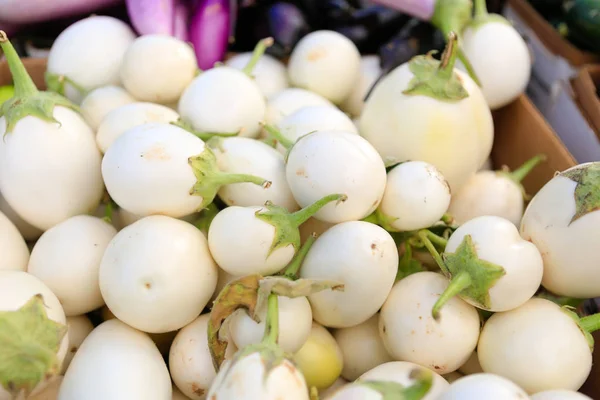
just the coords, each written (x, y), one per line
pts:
(585, 87)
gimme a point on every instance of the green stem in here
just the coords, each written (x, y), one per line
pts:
(277, 135)
(591, 323)
(468, 66)
(448, 60)
(272, 321)
(258, 52)
(108, 212)
(480, 8)
(291, 271)
(440, 241)
(423, 382)
(24, 86)
(432, 250)
(301, 216)
(457, 284)
(206, 136)
(225, 178)
(372, 218)
(520, 173)
(448, 219)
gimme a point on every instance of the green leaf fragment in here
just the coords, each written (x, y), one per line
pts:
(29, 343)
(482, 275)
(209, 178)
(587, 191)
(390, 390)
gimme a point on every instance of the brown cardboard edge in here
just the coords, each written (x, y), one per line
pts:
(550, 37)
(35, 66)
(584, 86)
(520, 134)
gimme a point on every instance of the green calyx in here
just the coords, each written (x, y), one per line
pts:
(520, 173)
(209, 178)
(587, 325)
(27, 99)
(470, 276)
(390, 390)
(293, 269)
(250, 293)
(437, 79)
(286, 224)
(57, 84)
(587, 191)
(202, 135)
(482, 17)
(30, 342)
(258, 52)
(278, 136)
(453, 16)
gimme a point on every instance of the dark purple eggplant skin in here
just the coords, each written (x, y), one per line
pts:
(287, 24)
(210, 31)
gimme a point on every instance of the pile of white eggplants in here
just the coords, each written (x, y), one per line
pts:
(261, 231)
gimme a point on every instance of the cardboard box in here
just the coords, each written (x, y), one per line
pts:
(521, 133)
(555, 58)
(586, 86)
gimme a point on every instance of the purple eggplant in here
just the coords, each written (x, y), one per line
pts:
(287, 24)
(210, 31)
(32, 11)
(181, 20)
(151, 16)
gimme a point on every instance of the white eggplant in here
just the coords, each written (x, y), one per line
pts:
(14, 250)
(370, 71)
(269, 73)
(483, 386)
(284, 103)
(101, 101)
(563, 221)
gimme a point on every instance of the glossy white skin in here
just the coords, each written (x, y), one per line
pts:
(225, 100)
(240, 243)
(90, 52)
(546, 223)
(269, 73)
(327, 162)
(483, 386)
(363, 257)
(498, 241)
(560, 395)
(16, 289)
(560, 359)
(146, 170)
(128, 116)
(284, 103)
(190, 362)
(311, 119)
(157, 274)
(246, 380)
(248, 156)
(67, 258)
(488, 193)
(99, 102)
(362, 348)
(158, 68)
(472, 365)
(14, 250)
(337, 385)
(410, 333)
(370, 70)
(325, 62)
(295, 322)
(60, 164)
(399, 372)
(416, 196)
(79, 328)
(102, 369)
(456, 137)
(28, 231)
(501, 60)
